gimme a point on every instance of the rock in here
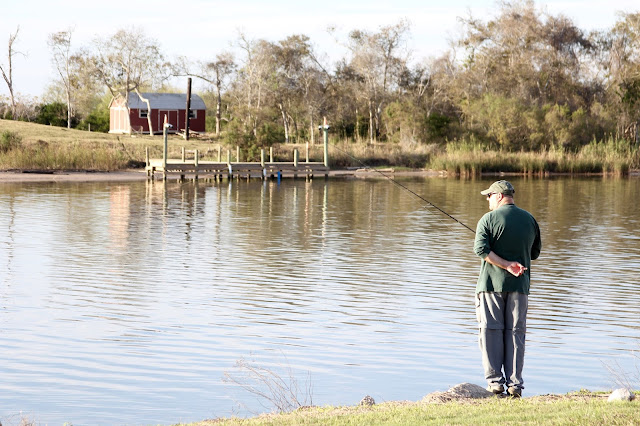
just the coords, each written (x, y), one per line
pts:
(621, 395)
(368, 401)
(469, 390)
(458, 392)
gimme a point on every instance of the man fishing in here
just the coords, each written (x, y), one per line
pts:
(507, 239)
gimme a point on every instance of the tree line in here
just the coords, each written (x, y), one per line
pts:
(522, 80)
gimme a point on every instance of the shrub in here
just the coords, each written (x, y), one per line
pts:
(54, 114)
(98, 119)
(9, 141)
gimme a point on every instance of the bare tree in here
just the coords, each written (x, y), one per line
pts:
(128, 62)
(7, 70)
(60, 44)
(253, 78)
(216, 73)
(378, 58)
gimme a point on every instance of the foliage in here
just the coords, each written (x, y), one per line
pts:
(54, 114)
(96, 121)
(523, 80)
(9, 141)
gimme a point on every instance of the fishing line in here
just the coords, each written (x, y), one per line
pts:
(404, 187)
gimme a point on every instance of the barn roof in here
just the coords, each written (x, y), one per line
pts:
(165, 101)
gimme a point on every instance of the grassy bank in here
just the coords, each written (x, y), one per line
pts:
(581, 408)
(29, 146)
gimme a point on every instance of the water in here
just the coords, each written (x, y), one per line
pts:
(126, 303)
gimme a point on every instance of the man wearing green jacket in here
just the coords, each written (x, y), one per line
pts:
(507, 239)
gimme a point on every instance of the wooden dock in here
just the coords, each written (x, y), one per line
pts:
(229, 170)
(222, 170)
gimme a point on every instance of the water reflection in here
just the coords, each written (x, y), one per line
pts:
(125, 303)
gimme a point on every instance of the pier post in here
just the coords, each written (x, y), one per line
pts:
(146, 150)
(219, 154)
(307, 151)
(296, 156)
(271, 154)
(325, 129)
(238, 153)
(165, 126)
(196, 160)
(183, 154)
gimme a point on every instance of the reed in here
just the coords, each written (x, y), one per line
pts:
(613, 156)
(73, 156)
(345, 154)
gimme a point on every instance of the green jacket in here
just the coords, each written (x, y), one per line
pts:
(513, 234)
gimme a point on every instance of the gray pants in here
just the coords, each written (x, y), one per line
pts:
(502, 318)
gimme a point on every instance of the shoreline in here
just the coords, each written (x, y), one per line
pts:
(7, 176)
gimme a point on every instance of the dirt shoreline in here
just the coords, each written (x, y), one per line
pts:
(140, 175)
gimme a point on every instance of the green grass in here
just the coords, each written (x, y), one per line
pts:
(573, 409)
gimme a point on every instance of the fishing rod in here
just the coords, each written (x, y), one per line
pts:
(403, 187)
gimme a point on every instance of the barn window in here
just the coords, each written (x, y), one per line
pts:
(143, 113)
(193, 113)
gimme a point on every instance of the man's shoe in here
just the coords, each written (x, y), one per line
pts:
(514, 392)
(496, 389)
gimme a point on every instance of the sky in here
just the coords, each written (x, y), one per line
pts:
(200, 29)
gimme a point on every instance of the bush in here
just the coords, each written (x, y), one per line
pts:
(9, 141)
(97, 120)
(54, 114)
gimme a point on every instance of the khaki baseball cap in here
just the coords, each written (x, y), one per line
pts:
(499, 187)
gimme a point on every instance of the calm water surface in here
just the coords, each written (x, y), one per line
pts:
(128, 303)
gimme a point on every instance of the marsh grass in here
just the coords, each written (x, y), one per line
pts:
(582, 408)
(348, 154)
(467, 158)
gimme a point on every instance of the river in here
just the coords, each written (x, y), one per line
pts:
(129, 303)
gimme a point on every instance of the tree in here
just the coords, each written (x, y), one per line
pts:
(7, 71)
(621, 63)
(128, 62)
(216, 73)
(53, 114)
(523, 61)
(60, 44)
(378, 58)
(250, 86)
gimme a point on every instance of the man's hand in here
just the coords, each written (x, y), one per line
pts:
(516, 269)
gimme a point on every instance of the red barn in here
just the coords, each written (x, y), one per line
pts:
(173, 105)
